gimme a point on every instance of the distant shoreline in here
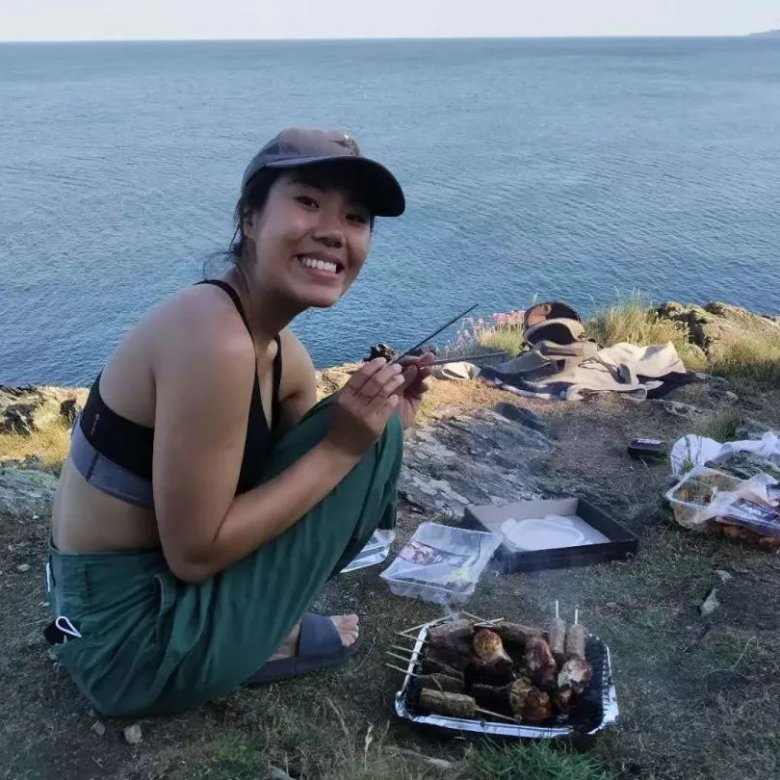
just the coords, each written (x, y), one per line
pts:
(409, 39)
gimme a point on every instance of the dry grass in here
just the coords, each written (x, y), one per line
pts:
(632, 320)
(49, 445)
(750, 362)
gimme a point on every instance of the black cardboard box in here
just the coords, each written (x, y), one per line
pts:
(620, 545)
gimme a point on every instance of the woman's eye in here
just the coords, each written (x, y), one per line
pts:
(306, 201)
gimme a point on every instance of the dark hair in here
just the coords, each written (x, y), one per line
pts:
(324, 176)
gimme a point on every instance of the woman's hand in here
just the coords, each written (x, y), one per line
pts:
(363, 406)
(415, 374)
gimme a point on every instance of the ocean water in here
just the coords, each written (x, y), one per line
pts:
(573, 169)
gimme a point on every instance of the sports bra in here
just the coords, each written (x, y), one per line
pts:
(115, 454)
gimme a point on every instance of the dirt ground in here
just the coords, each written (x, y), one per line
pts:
(699, 696)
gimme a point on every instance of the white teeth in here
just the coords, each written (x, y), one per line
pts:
(320, 265)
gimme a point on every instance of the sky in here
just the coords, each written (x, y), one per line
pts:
(36, 20)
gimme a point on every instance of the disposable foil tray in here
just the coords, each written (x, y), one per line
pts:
(595, 709)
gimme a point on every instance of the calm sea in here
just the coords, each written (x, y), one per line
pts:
(572, 169)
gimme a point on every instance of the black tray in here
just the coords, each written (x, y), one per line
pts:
(622, 543)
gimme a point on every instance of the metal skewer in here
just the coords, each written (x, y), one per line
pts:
(557, 615)
(435, 333)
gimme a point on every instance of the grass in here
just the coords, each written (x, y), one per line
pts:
(49, 445)
(721, 425)
(630, 319)
(532, 761)
(751, 363)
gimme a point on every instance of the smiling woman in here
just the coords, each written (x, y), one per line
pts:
(206, 498)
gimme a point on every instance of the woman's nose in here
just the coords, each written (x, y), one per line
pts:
(330, 234)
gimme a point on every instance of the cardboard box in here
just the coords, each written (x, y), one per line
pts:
(611, 541)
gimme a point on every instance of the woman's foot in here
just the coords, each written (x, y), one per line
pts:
(346, 625)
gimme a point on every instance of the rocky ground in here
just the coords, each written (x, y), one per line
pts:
(698, 689)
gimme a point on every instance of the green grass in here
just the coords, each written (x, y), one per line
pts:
(721, 425)
(530, 761)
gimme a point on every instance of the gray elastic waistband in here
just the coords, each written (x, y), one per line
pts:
(106, 475)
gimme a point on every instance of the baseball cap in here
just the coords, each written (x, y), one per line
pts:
(298, 147)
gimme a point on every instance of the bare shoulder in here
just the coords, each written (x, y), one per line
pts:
(199, 323)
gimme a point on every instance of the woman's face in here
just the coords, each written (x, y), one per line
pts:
(309, 242)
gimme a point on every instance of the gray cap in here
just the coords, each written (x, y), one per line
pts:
(297, 147)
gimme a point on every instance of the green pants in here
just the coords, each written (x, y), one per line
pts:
(152, 644)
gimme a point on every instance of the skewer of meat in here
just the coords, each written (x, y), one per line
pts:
(436, 682)
(575, 674)
(539, 661)
(450, 632)
(511, 697)
(556, 633)
(455, 705)
(517, 634)
(490, 662)
(576, 637)
(537, 707)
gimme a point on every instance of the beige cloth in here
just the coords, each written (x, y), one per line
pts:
(616, 369)
(456, 371)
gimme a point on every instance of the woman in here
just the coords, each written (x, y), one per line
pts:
(207, 498)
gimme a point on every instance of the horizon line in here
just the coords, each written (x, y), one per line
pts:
(389, 38)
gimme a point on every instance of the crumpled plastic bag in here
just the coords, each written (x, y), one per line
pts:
(693, 450)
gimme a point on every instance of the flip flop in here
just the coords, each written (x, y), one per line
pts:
(319, 647)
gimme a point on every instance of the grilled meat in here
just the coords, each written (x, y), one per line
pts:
(575, 674)
(455, 705)
(576, 636)
(539, 661)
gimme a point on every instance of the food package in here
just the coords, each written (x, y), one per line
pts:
(441, 564)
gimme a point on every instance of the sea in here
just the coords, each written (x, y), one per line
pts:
(574, 169)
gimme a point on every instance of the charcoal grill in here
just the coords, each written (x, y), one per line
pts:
(593, 711)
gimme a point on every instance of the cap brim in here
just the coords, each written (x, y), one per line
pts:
(384, 196)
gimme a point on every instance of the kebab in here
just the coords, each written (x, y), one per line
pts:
(489, 661)
(455, 705)
(556, 633)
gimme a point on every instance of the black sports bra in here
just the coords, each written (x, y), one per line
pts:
(130, 445)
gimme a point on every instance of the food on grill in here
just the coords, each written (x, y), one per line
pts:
(511, 671)
(576, 637)
(451, 632)
(442, 682)
(539, 661)
(509, 697)
(455, 705)
(517, 634)
(556, 631)
(490, 662)
(575, 674)
(562, 699)
(537, 707)
(431, 665)
(487, 646)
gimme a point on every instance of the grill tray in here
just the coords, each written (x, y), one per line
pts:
(594, 710)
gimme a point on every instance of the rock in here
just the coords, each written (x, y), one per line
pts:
(26, 492)
(274, 773)
(100, 729)
(723, 575)
(523, 416)
(27, 409)
(23, 567)
(133, 734)
(713, 326)
(710, 604)
(679, 409)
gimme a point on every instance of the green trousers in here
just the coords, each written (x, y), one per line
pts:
(152, 644)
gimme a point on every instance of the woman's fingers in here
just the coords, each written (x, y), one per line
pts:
(382, 383)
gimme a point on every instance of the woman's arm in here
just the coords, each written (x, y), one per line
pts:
(204, 378)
